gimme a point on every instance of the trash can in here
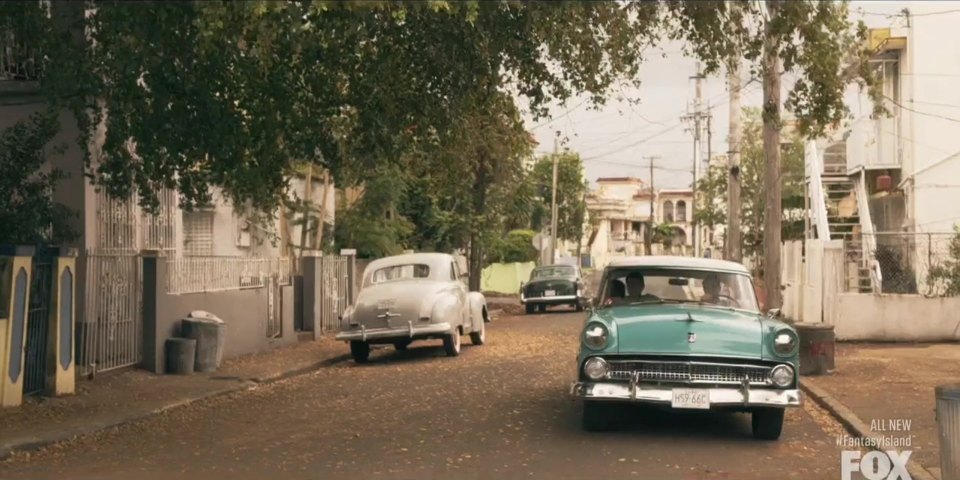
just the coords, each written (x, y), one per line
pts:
(948, 423)
(181, 355)
(816, 348)
(210, 333)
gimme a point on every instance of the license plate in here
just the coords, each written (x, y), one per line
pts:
(385, 304)
(690, 398)
(549, 293)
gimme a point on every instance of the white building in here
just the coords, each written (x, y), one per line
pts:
(620, 209)
(890, 187)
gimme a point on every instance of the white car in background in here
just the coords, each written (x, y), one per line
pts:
(411, 297)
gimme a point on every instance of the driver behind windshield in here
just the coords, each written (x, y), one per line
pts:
(711, 289)
(635, 286)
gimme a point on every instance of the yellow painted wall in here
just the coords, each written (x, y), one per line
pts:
(505, 277)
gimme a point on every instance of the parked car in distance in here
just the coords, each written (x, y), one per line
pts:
(551, 285)
(685, 333)
(411, 297)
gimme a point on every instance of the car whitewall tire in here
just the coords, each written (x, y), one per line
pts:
(451, 344)
(478, 338)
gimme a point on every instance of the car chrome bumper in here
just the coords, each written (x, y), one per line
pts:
(410, 331)
(554, 299)
(719, 396)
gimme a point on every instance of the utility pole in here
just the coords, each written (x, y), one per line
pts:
(697, 117)
(733, 244)
(553, 206)
(648, 237)
(771, 150)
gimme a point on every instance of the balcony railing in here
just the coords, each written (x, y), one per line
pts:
(875, 144)
(18, 61)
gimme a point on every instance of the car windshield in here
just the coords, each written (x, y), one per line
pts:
(547, 272)
(399, 272)
(640, 286)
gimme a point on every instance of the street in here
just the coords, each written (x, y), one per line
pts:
(498, 411)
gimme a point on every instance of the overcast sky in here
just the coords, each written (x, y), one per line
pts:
(615, 140)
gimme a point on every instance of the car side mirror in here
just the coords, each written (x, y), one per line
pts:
(774, 313)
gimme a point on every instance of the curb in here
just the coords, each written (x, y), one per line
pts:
(853, 424)
(32, 444)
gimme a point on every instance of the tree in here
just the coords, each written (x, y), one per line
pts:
(944, 276)
(27, 210)
(193, 94)
(571, 187)
(814, 40)
(752, 161)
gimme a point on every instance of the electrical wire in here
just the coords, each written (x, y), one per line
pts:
(918, 112)
(666, 130)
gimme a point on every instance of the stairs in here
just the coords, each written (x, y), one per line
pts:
(843, 218)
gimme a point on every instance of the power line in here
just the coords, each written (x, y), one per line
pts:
(905, 12)
(918, 112)
(554, 119)
(672, 127)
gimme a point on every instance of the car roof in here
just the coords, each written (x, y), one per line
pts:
(667, 261)
(431, 259)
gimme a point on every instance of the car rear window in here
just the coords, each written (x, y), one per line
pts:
(547, 272)
(400, 272)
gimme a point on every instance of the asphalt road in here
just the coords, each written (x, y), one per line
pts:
(498, 411)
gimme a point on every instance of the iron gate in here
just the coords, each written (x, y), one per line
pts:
(335, 288)
(111, 331)
(38, 323)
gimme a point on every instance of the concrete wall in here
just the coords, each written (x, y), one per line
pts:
(245, 312)
(901, 318)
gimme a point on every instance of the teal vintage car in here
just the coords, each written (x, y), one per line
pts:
(685, 333)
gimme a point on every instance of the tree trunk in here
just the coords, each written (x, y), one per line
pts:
(771, 149)
(734, 245)
(480, 185)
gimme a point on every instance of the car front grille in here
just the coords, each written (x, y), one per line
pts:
(688, 372)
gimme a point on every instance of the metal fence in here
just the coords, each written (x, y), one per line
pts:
(335, 290)
(913, 263)
(110, 333)
(218, 274)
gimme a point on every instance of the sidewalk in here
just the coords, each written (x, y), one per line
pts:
(116, 398)
(882, 382)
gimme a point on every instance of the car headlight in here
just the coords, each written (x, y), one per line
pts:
(596, 368)
(781, 375)
(785, 342)
(595, 336)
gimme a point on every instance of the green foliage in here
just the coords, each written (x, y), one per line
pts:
(944, 277)
(712, 188)
(816, 41)
(231, 93)
(27, 210)
(371, 225)
(517, 246)
(571, 188)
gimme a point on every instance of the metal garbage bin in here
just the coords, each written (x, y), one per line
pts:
(210, 333)
(948, 423)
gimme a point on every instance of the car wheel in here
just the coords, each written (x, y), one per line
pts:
(477, 338)
(541, 308)
(451, 344)
(530, 308)
(578, 306)
(360, 351)
(595, 418)
(402, 345)
(767, 423)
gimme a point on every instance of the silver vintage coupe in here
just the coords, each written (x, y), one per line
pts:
(414, 297)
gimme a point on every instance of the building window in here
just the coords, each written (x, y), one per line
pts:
(198, 233)
(668, 211)
(681, 211)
